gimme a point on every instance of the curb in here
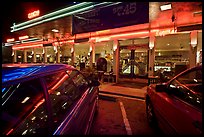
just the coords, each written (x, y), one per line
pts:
(125, 95)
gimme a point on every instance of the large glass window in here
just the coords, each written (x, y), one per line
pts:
(65, 56)
(39, 55)
(105, 50)
(172, 53)
(19, 56)
(82, 55)
(51, 55)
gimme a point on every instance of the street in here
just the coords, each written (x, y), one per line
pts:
(121, 116)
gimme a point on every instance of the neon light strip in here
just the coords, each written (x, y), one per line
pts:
(51, 14)
(59, 16)
(129, 34)
(49, 19)
(30, 46)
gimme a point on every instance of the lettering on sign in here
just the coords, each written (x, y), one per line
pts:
(165, 32)
(127, 9)
(34, 14)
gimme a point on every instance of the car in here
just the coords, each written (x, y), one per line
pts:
(47, 99)
(175, 106)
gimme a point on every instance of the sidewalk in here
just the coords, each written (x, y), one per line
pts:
(132, 88)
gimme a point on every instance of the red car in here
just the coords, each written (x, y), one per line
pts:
(176, 106)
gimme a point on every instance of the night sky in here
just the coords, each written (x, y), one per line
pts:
(17, 12)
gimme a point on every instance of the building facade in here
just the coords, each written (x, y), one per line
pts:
(156, 38)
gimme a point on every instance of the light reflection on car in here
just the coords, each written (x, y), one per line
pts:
(53, 99)
(176, 106)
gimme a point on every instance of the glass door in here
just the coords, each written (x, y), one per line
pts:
(133, 61)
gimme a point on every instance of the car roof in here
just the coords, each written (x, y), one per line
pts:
(11, 72)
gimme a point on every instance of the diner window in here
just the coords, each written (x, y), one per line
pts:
(105, 50)
(82, 55)
(19, 56)
(51, 55)
(172, 53)
(66, 56)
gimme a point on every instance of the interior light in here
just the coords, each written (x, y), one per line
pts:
(55, 30)
(165, 7)
(23, 37)
(26, 99)
(10, 40)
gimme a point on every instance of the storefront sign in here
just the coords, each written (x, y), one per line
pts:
(120, 15)
(165, 32)
(34, 14)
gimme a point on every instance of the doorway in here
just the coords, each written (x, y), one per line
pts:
(133, 61)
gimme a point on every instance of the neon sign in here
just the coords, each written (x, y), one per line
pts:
(34, 14)
(10, 40)
(165, 32)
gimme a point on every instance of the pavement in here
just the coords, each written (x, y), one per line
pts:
(134, 88)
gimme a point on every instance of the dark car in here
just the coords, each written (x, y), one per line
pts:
(54, 99)
(176, 106)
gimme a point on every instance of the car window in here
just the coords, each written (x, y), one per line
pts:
(79, 80)
(63, 93)
(23, 109)
(188, 87)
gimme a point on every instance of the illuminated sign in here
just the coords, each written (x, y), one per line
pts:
(23, 37)
(165, 32)
(34, 14)
(10, 40)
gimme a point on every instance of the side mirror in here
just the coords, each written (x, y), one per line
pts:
(160, 87)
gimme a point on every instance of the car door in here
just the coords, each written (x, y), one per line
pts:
(85, 108)
(64, 102)
(24, 109)
(180, 106)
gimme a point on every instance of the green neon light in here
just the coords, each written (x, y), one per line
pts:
(53, 13)
(59, 16)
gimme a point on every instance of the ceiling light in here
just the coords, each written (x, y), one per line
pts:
(165, 7)
(55, 30)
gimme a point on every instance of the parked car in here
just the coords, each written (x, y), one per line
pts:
(46, 99)
(176, 106)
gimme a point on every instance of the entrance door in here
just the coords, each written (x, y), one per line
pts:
(133, 61)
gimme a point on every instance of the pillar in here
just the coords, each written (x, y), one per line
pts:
(92, 54)
(151, 55)
(72, 54)
(58, 54)
(45, 55)
(34, 55)
(14, 56)
(193, 48)
(116, 59)
(25, 56)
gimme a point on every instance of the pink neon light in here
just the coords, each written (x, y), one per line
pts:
(34, 14)
(28, 46)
